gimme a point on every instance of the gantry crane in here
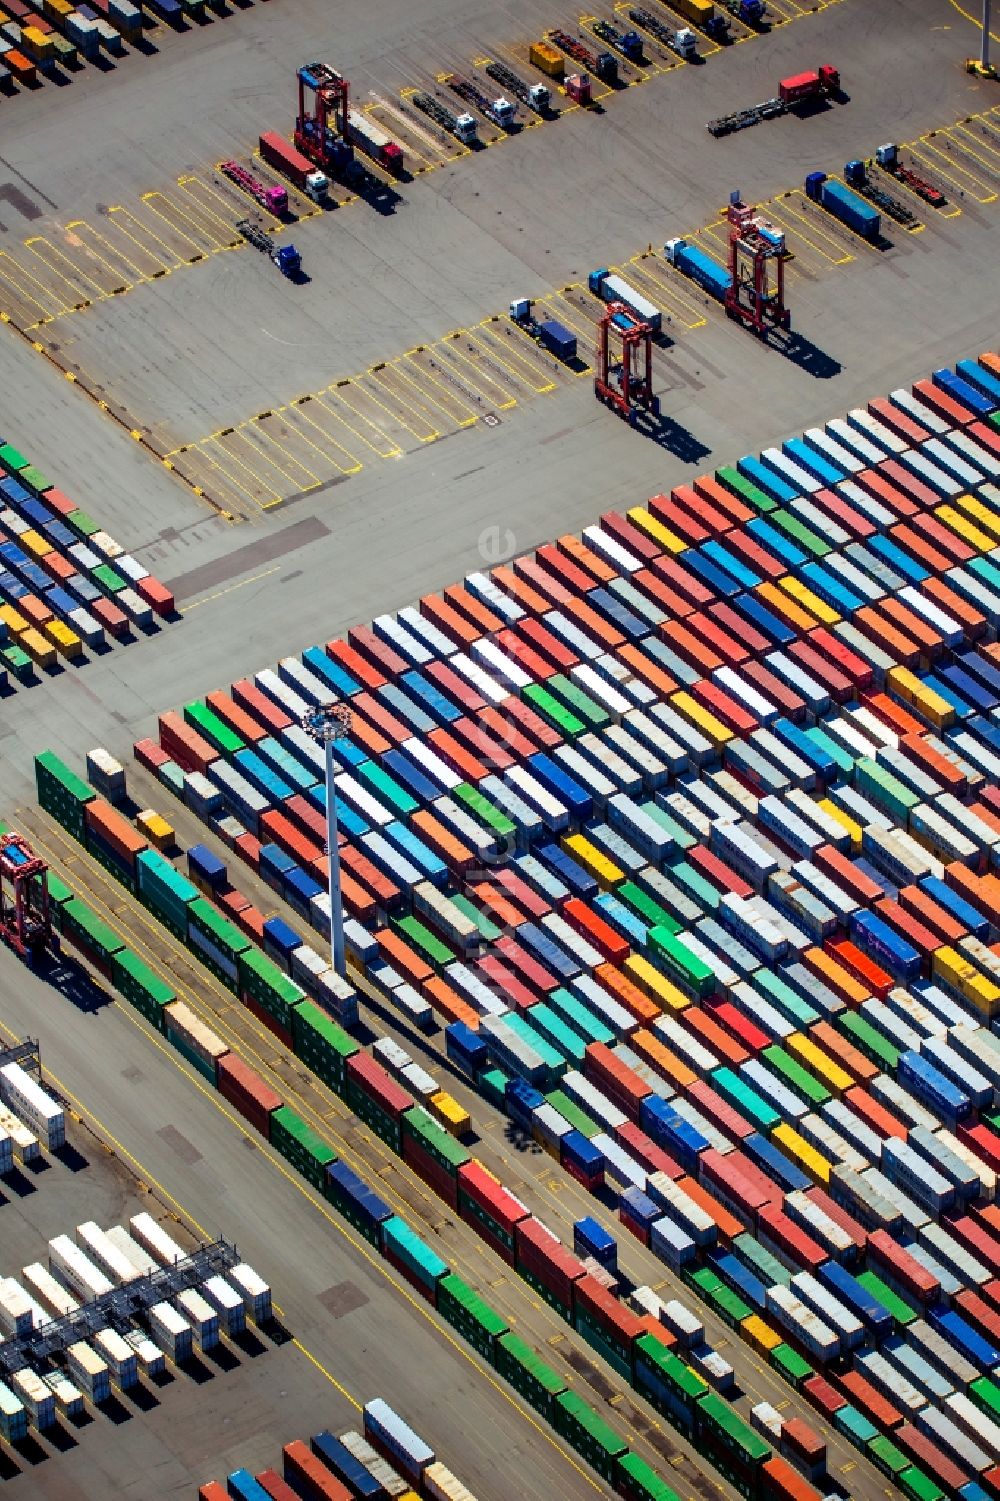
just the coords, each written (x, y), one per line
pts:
(625, 383)
(25, 922)
(756, 292)
(322, 132)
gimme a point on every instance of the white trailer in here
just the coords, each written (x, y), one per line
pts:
(69, 1399)
(113, 1263)
(140, 1259)
(15, 1308)
(42, 1284)
(29, 1100)
(77, 1270)
(37, 1399)
(155, 1239)
(24, 1142)
(148, 1355)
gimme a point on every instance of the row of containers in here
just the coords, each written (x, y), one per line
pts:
(48, 37)
(66, 585)
(558, 1276)
(696, 1235)
(388, 1459)
(86, 1271)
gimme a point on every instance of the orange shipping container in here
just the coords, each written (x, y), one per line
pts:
(113, 829)
(627, 993)
(871, 979)
(35, 611)
(843, 1052)
(289, 838)
(713, 1036)
(596, 931)
(666, 1063)
(827, 969)
(886, 635)
(593, 625)
(457, 856)
(449, 1004)
(484, 619)
(648, 671)
(189, 749)
(520, 590)
(497, 905)
(586, 558)
(400, 956)
(447, 619)
(621, 1083)
(461, 760)
(729, 1225)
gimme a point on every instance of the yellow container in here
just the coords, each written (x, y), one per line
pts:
(13, 620)
(937, 710)
(781, 602)
(549, 59)
(698, 11)
(903, 683)
(604, 871)
(39, 650)
(450, 1114)
(66, 642)
(979, 512)
(57, 9)
(654, 528)
(805, 597)
(702, 720)
(35, 543)
(756, 1332)
(948, 965)
(852, 827)
(965, 528)
(37, 44)
(984, 994)
(812, 1057)
(807, 1157)
(156, 829)
(654, 984)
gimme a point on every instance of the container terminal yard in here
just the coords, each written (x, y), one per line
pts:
(579, 437)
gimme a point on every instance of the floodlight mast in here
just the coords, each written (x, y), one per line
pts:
(327, 724)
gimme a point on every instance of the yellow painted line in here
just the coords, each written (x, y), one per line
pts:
(338, 395)
(192, 186)
(258, 445)
(78, 295)
(124, 213)
(200, 221)
(450, 402)
(482, 378)
(976, 21)
(293, 414)
(14, 283)
(396, 416)
(230, 590)
(968, 150)
(378, 374)
(498, 348)
(302, 411)
(210, 458)
(259, 481)
(953, 171)
(153, 206)
(842, 259)
(84, 231)
(267, 440)
(661, 279)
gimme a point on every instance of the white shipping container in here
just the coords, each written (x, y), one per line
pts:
(172, 1332)
(139, 1258)
(395, 634)
(16, 1315)
(104, 1253)
(155, 1239)
(621, 1168)
(696, 1221)
(89, 1371)
(228, 1304)
(591, 1100)
(77, 1270)
(254, 1291)
(386, 1429)
(41, 1283)
(822, 1302)
(680, 1320)
(121, 1358)
(38, 1400)
(441, 1485)
(390, 1480)
(149, 1357)
(204, 1319)
(20, 1092)
(68, 1399)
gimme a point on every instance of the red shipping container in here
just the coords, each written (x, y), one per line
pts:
(884, 634)
(504, 984)
(713, 1036)
(678, 520)
(527, 967)
(541, 579)
(471, 735)
(271, 1482)
(721, 1114)
(640, 1231)
(630, 536)
(943, 537)
(239, 720)
(904, 479)
(115, 830)
(548, 645)
(621, 1083)
(756, 557)
(232, 902)
(283, 1034)
(947, 407)
(485, 620)
(870, 1400)
(840, 511)
(494, 903)
(652, 1326)
(648, 1155)
(683, 580)
(358, 902)
(983, 1141)
(376, 651)
(689, 646)
(542, 1254)
(898, 422)
(605, 1310)
(247, 847)
(972, 622)
(586, 558)
(357, 665)
(931, 1460)
(458, 757)
(457, 856)
(873, 1114)
(738, 628)
(709, 488)
(370, 877)
(944, 772)
(574, 579)
(150, 753)
(779, 1479)
(773, 1223)
(977, 1240)
(893, 714)
(828, 643)
(662, 593)
(803, 1440)
(720, 1173)
(532, 724)
(397, 952)
(281, 831)
(717, 872)
(249, 697)
(58, 567)
(837, 683)
(746, 1032)
(520, 590)
(515, 645)
(699, 505)
(916, 1279)
(184, 744)
(729, 1225)
(372, 1078)
(311, 1477)
(731, 648)
(605, 939)
(919, 546)
(724, 707)
(983, 435)
(54, 499)
(432, 1171)
(377, 714)
(909, 926)
(491, 1196)
(857, 963)
(821, 1395)
(882, 488)
(755, 1175)
(157, 595)
(244, 1089)
(628, 994)
(527, 898)
(773, 688)
(979, 1313)
(212, 1491)
(846, 874)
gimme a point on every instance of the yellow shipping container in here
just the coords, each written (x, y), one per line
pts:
(57, 9)
(654, 984)
(36, 43)
(852, 827)
(35, 543)
(903, 683)
(604, 871)
(66, 641)
(804, 596)
(937, 710)
(819, 1063)
(654, 528)
(451, 1115)
(13, 620)
(948, 965)
(785, 606)
(979, 512)
(156, 829)
(760, 1334)
(807, 1157)
(984, 994)
(964, 528)
(549, 59)
(39, 650)
(702, 720)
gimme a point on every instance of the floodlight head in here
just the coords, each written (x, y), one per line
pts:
(327, 722)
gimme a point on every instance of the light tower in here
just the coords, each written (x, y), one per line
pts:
(327, 724)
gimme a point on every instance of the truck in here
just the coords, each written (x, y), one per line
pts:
(285, 257)
(708, 273)
(750, 12)
(856, 175)
(614, 289)
(703, 14)
(844, 205)
(550, 334)
(799, 88)
(887, 157)
(683, 41)
(375, 142)
(284, 158)
(601, 64)
(535, 95)
(628, 43)
(462, 127)
(273, 198)
(500, 111)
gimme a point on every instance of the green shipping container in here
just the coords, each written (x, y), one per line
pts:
(729, 1306)
(84, 525)
(483, 811)
(918, 1486)
(553, 711)
(427, 944)
(694, 885)
(580, 1016)
(18, 662)
(164, 890)
(781, 995)
(886, 1457)
(650, 912)
(546, 1295)
(794, 1367)
(445, 1150)
(718, 1418)
(488, 931)
(322, 1044)
(261, 979)
(11, 459)
(62, 793)
(642, 1480)
(553, 1059)
(797, 531)
(681, 836)
(88, 931)
(306, 1151)
(855, 1426)
(902, 1312)
(386, 789)
(537, 1382)
(561, 1036)
(195, 1059)
(588, 1434)
(884, 790)
(374, 1117)
(35, 480)
(746, 1100)
(109, 580)
(986, 1395)
(572, 1113)
(411, 1252)
(798, 1079)
(869, 1040)
(746, 490)
(577, 702)
(493, 1087)
(213, 729)
(690, 973)
(466, 1311)
(143, 989)
(759, 1260)
(617, 1355)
